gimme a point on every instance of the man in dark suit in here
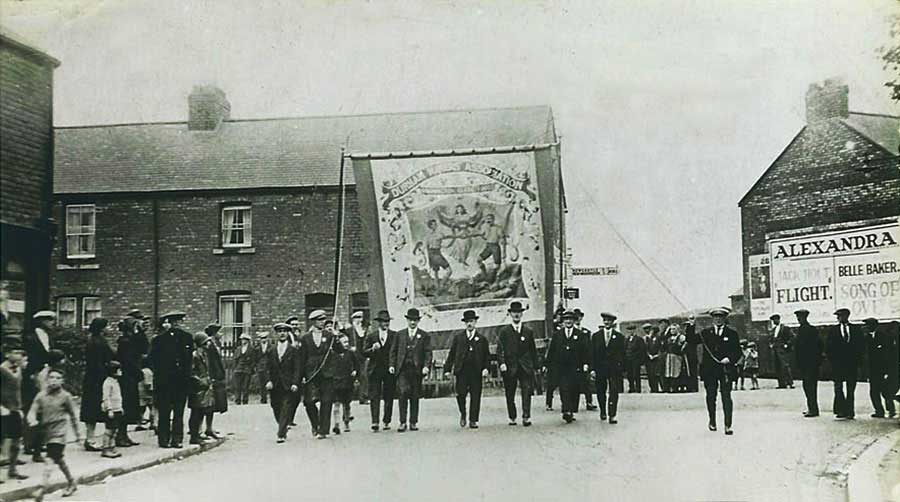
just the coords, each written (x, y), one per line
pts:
(381, 382)
(468, 361)
(260, 359)
(718, 365)
(655, 356)
(781, 342)
(37, 345)
(171, 354)
(410, 358)
(635, 356)
(586, 388)
(356, 334)
(882, 354)
(283, 378)
(567, 358)
(517, 355)
(808, 351)
(607, 355)
(317, 367)
(845, 349)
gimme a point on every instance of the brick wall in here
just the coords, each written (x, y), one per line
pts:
(25, 138)
(293, 241)
(816, 182)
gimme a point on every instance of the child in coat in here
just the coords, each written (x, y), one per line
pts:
(145, 396)
(11, 421)
(52, 411)
(345, 372)
(112, 408)
(751, 364)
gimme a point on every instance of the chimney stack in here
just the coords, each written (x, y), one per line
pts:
(207, 108)
(827, 101)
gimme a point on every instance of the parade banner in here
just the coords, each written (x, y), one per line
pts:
(857, 269)
(760, 290)
(460, 232)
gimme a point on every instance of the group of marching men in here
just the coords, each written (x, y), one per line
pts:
(319, 367)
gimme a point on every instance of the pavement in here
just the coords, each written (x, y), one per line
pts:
(659, 450)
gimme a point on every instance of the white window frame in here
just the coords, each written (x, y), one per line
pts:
(59, 310)
(84, 310)
(247, 324)
(90, 231)
(245, 226)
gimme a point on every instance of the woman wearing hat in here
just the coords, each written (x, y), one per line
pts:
(201, 398)
(129, 356)
(216, 377)
(243, 369)
(97, 355)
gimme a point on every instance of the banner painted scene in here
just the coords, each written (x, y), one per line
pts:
(857, 269)
(460, 232)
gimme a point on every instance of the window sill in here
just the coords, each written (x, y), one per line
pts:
(234, 250)
(78, 266)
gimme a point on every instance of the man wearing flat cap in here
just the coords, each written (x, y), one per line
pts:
(381, 383)
(468, 360)
(409, 362)
(882, 357)
(319, 372)
(845, 348)
(517, 355)
(781, 342)
(718, 365)
(37, 345)
(283, 377)
(567, 356)
(607, 357)
(808, 349)
(171, 355)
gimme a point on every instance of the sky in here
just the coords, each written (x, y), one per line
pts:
(668, 111)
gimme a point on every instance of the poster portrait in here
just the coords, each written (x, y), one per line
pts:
(760, 287)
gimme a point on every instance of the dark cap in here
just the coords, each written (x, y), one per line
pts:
(842, 311)
(801, 312)
(870, 321)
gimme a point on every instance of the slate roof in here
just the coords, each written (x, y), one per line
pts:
(291, 152)
(881, 129)
(8, 37)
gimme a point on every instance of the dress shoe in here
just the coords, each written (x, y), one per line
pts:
(336, 430)
(462, 421)
(892, 414)
(213, 435)
(712, 427)
(375, 428)
(602, 416)
(177, 445)
(386, 426)
(512, 422)
(70, 490)
(568, 418)
(37, 458)
(88, 446)
(728, 431)
(810, 415)
(279, 440)
(321, 436)
(877, 415)
(592, 407)
(413, 427)
(196, 440)
(613, 420)
(473, 425)
(526, 423)
(17, 475)
(402, 428)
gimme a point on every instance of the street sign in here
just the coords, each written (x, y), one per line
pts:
(571, 293)
(614, 270)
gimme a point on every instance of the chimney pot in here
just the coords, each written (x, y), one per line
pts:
(827, 100)
(207, 108)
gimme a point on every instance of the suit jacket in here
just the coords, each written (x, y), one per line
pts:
(417, 351)
(882, 353)
(37, 354)
(635, 349)
(783, 342)
(845, 357)
(607, 361)
(517, 350)
(379, 359)
(286, 371)
(316, 362)
(655, 347)
(719, 347)
(476, 353)
(567, 356)
(261, 360)
(171, 356)
(244, 362)
(808, 349)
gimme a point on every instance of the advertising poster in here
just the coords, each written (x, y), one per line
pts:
(858, 269)
(760, 287)
(460, 232)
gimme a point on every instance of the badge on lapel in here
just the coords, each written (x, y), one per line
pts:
(575, 337)
(476, 338)
(725, 339)
(523, 338)
(418, 335)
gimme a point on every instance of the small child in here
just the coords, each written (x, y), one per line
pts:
(751, 364)
(11, 426)
(112, 407)
(145, 397)
(740, 367)
(52, 408)
(345, 373)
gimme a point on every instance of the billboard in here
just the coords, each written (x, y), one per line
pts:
(459, 232)
(858, 269)
(760, 287)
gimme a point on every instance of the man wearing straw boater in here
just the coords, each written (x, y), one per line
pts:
(410, 358)
(317, 348)
(721, 351)
(517, 355)
(468, 361)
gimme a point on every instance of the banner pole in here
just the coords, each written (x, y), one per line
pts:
(339, 240)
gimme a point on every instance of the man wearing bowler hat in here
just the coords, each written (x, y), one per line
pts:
(409, 361)
(808, 350)
(882, 351)
(607, 357)
(845, 349)
(468, 360)
(381, 382)
(517, 355)
(171, 355)
(718, 365)
(568, 358)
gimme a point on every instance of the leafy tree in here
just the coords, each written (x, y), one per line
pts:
(891, 57)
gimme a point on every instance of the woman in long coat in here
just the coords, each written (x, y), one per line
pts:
(97, 354)
(200, 398)
(216, 378)
(674, 358)
(129, 356)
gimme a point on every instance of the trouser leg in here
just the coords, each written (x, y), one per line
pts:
(475, 404)
(287, 405)
(614, 397)
(711, 385)
(389, 385)
(509, 387)
(178, 418)
(414, 395)
(525, 384)
(850, 403)
(374, 394)
(194, 421)
(325, 417)
(875, 391)
(584, 387)
(811, 390)
(403, 403)
(839, 405)
(601, 384)
(727, 403)
(312, 414)
(164, 419)
(462, 389)
(263, 393)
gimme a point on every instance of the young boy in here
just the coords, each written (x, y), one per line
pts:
(11, 402)
(345, 372)
(751, 365)
(145, 397)
(52, 408)
(112, 407)
(740, 367)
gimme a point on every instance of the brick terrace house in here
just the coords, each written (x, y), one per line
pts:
(233, 220)
(840, 171)
(26, 178)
